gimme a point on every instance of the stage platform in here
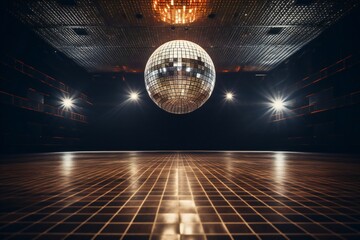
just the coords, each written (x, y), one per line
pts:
(180, 195)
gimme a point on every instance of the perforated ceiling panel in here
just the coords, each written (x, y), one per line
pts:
(239, 35)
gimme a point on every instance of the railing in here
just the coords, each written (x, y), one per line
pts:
(326, 72)
(349, 99)
(343, 101)
(7, 98)
(42, 77)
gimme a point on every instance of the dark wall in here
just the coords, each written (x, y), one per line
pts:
(121, 124)
(18, 41)
(323, 86)
(30, 100)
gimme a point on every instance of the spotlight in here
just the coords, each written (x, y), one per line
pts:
(67, 103)
(278, 105)
(134, 96)
(229, 96)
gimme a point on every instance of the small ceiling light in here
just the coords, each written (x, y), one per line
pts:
(278, 105)
(212, 15)
(134, 96)
(67, 103)
(275, 30)
(139, 16)
(80, 31)
(229, 96)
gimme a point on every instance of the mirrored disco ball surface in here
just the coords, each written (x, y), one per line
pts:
(179, 76)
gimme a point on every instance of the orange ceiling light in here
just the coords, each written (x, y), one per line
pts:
(179, 11)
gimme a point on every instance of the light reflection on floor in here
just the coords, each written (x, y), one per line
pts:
(197, 195)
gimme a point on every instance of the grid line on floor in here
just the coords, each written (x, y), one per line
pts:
(180, 195)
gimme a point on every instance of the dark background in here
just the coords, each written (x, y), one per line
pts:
(115, 123)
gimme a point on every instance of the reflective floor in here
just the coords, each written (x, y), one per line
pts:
(198, 195)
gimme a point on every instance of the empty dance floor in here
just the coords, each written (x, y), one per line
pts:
(197, 195)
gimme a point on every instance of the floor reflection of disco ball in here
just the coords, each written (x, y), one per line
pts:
(179, 76)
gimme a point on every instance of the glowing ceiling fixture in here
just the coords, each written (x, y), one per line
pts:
(67, 103)
(179, 11)
(278, 105)
(229, 96)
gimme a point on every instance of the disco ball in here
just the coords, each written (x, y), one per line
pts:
(179, 76)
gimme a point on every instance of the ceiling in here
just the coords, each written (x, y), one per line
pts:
(120, 35)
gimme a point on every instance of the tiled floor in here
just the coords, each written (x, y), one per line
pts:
(199, 195)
